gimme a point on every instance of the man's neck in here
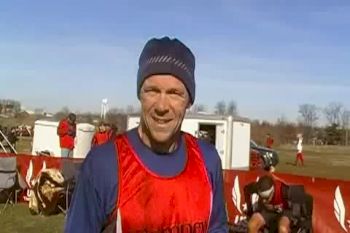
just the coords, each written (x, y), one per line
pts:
(159, 148)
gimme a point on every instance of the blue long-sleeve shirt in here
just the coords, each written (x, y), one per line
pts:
(96, 191)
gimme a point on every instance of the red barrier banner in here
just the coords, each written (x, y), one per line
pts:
(331, 212)
(29, 167)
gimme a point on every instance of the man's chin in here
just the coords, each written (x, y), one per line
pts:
(161, 137)
(161, 140)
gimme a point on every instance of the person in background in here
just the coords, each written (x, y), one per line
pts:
(280, 207)
(269, 141)
(299, 154)
(66, 131)
(153, 178)
(113, 132)
(102, 134)
(271, 205)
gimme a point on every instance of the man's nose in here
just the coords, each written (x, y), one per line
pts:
(162, 105)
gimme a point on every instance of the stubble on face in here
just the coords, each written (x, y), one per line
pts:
(164, 100)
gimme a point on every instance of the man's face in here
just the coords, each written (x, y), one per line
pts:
(71, 120)
(102, 128)
(164, 100)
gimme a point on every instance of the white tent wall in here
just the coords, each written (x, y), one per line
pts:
(240, 145)
(85, 133)
(133, 122)
(46, 138)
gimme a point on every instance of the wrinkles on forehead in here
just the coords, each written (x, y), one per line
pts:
(165, 83)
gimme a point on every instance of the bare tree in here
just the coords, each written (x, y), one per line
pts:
(198, 108)
(65, 110)
(220, 108)
(282, 120)
(130, 109)
(201, 108)
(283, 130)
(62, 113)
(115, 111)
(8, 106)
(309, 114)
(333, 113)
(231, 108)
(345, 121)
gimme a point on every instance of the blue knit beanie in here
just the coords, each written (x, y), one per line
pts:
(167, 56)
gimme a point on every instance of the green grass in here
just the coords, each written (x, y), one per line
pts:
(17, 219)
(320, 161)
(23, 145)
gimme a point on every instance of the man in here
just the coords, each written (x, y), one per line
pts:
(299, 155)
(153, 178)
(102, 135)
(66, 131)
(269, 141)
(271, 206)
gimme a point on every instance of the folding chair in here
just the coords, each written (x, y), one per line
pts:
(70, 171)
(8, 181)
(302, 207)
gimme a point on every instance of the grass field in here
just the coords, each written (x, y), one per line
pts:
(320, 161)
(17, 219)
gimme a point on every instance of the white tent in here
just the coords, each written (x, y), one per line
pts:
(46, 139)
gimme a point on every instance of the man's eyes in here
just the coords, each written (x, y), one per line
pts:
(151, 91)
(171, 92)
(175, 92)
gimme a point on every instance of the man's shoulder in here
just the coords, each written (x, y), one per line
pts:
(210, 154)
(201, 142)
(100, 167)
(207, 147)
(103, 150)
(101, 156)
(63, 122)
